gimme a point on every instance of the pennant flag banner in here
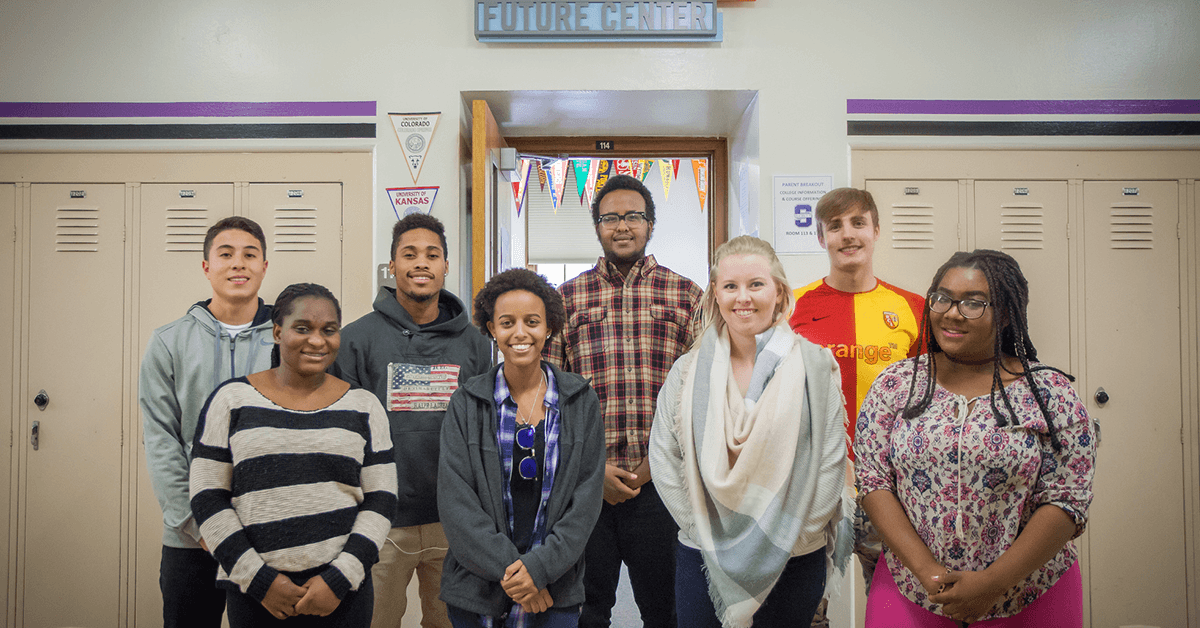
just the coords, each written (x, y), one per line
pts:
(521, 184)
(541, 175)
(647, 165)
(675, 168)
(664, 170)
(593, 174)
(604, 169)
(636, 164)
(407, 201)
(623, 166)
(558, 182)
(582, 168)
(414, 131)
(700, 169)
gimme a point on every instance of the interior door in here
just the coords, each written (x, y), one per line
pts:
(303, 226)
(486, 192)
(174, 219)
(1136, 531)
(70, 534)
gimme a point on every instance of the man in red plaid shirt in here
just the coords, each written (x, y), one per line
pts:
(628, 319)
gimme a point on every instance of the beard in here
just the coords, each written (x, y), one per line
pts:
(421, 298)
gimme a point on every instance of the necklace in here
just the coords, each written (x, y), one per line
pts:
(967, 362)
(532, 406)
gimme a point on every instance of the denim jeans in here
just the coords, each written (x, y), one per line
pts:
(354, 611)
(791, 602)
(188, 579)
(641, 533)
(552, 618)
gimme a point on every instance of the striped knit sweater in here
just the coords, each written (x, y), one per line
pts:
(302, 493)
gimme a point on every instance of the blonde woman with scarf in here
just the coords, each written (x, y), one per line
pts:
(748, 452)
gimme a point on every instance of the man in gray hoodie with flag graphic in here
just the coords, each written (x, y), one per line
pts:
(226, 336)
(413, 351)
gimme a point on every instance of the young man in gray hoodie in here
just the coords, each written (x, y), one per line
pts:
(226, 336)
(413, 351)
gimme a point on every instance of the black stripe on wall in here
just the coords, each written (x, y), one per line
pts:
(185, 131)
(1013, 128)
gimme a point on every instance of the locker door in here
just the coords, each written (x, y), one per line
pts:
(303, 225)
(174, 219)
(1132, 303)
(918, 230)
(9, 304)
(1028, 220)
(70, 537)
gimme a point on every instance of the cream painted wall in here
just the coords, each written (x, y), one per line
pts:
(805, 59)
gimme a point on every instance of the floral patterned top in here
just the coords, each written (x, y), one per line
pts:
(1007, 472)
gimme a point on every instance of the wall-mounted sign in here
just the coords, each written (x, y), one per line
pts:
(546, 21)
(407, 201)
(795, 212)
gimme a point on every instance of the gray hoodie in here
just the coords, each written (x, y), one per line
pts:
(185, 361)
(413, 370)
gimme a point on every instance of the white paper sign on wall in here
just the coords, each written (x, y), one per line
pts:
(796, 199)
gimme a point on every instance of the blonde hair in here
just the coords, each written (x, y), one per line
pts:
(744, 245)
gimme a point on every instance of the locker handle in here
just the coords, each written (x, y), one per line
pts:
(33, 435)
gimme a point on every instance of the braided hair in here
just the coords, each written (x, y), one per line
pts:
(285, 304)
(1009, 300)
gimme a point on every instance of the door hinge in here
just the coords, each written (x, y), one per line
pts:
(341, 233)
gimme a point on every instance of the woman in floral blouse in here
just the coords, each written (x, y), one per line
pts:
(975, 463)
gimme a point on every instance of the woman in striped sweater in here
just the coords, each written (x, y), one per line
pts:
(293, 479)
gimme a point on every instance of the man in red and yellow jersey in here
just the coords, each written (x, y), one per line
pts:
(867, 323)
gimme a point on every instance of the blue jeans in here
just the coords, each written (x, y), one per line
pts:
(354, 611)
(640, 532)
(792, 602)
(552, 618)
(188, 579)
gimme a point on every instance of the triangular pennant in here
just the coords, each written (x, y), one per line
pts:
(414, 131)
(604, 169)
(636, 166)
(623, 166)
(647, 164)
(521, 184)
(675, 168)
(548, 172)
(664, 170)
(581, 167)
(541, 175)
(700, 169)
(407, 201)
(558, 182)
(593, 174)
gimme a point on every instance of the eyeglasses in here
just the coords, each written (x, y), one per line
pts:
(969, 308)
(633, 219)
(527, 467)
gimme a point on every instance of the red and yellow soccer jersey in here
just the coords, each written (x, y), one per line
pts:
(867, 332)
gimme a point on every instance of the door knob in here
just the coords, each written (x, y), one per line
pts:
(1101, 396)
(41, 400)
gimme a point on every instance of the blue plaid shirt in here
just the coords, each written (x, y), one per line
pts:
(505, 434)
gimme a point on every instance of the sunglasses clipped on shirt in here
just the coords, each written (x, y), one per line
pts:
(526, 437)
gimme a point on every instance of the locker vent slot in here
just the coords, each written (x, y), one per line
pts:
(912, 227)
(1022, 227)
(1131, 228)
(295, 229)
(186, 227)
(77, 230)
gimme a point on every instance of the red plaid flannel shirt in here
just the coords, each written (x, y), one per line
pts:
(625, 333)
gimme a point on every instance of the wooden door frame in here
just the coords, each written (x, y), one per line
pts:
(715, 149)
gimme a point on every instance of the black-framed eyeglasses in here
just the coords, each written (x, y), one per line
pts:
(526, 437)
(969, 308)
(633, 219)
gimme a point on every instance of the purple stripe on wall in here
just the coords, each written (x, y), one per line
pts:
(1018, 107)
(184, 109)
